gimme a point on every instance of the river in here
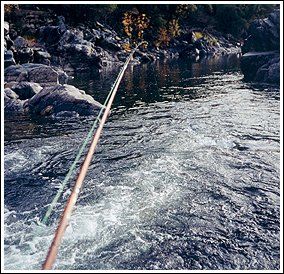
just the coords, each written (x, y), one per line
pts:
(186, 174)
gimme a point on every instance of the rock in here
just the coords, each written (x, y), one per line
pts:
(58, 98)
(78, 53)
(11, 94)
(6, 28)
(15, 73)
(260, 62)
(8, 41)
(64, 114)
(45, 75)
(13, 34)
(81, 57)
(26, 90)
(109, 43)
(255, 66)
(8, 58)
(269, 72)
(61, 24)
(38, 73)
(12, 103)
(24, 55)
(97, 35)
(50, 35)
(263, 34)
(41, 56)
(20, 42)
(72, 36)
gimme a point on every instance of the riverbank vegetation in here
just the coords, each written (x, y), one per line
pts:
(157, 24)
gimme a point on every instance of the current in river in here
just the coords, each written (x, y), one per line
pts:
(186, 174)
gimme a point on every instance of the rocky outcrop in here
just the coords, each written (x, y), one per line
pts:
(261, 61)
(197, 42)
(12, 103)
(37, 73)
(26, 90)
(62, 98)
(263, 34)
(82, 48)
(261, 67)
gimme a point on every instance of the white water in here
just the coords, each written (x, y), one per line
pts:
(178, 184)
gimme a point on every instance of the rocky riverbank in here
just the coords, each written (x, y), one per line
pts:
(261, 59)
(41, 50)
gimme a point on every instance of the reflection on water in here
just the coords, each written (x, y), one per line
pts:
(144, 82)
(186, 174)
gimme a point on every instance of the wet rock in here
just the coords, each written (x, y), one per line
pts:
(261, 59)
(26, 90)
(12, 103)
(269, 72)
(38, 73)
(8, 58)
(59, 98)
(255, 66)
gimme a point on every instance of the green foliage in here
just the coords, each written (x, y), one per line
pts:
(161, 22)
(234, 19)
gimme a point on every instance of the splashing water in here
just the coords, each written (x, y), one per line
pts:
(186, 175)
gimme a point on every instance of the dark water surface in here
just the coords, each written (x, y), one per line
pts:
(186, 175)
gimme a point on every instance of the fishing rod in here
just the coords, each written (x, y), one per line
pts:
(66, 215)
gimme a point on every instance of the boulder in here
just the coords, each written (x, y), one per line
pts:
(58, 98)
(38, 73)
(81, 57)
(260, 62)
(261, 66)
(72, 36)
(50, 35)
(20, 42)
(12, 103)
(263, 34)
(26, 90)
(269, 72)
(109, 43)
(41, 56)
(8, 58)
(77, 52)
